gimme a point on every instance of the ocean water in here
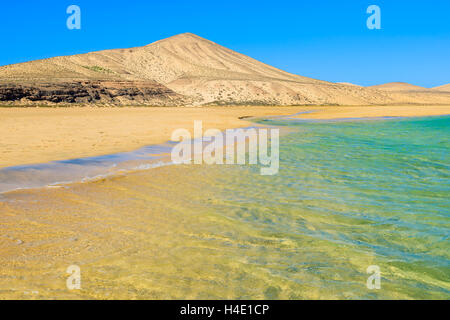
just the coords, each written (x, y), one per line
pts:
(349, 195)
(355, 193)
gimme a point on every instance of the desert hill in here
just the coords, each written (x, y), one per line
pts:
(398, 86)
(181, 70)
(445, 87)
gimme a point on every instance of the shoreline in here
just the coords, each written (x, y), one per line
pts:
(52, 134)
(367, 112)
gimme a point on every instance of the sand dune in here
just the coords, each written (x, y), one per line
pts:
(185, 70)
(445, 87)
(398, 86)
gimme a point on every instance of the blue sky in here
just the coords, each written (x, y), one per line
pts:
(322, 39)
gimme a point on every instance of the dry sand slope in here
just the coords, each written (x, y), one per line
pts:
(398, 86)
(445, 87)
(183, 70)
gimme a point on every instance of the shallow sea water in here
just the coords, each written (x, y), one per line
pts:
(349, 194)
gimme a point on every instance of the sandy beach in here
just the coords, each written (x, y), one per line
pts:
(39, 135)
(220, 232)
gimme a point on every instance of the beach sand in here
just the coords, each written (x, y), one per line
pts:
(39, 135)
(113, 228)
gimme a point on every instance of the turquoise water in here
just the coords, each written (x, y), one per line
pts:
(351, 194)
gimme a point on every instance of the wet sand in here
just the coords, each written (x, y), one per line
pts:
(144, 235)
(154, 234)
(39, 135)
(105, 227)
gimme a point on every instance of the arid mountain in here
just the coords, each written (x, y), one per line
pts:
(445, 87)
(411, 94)
(182, 70)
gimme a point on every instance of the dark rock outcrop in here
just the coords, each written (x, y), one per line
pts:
(90, 92)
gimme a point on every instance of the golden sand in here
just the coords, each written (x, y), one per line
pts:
(104, 227)
(39, 135)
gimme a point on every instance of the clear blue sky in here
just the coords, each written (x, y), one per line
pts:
(322, 39)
